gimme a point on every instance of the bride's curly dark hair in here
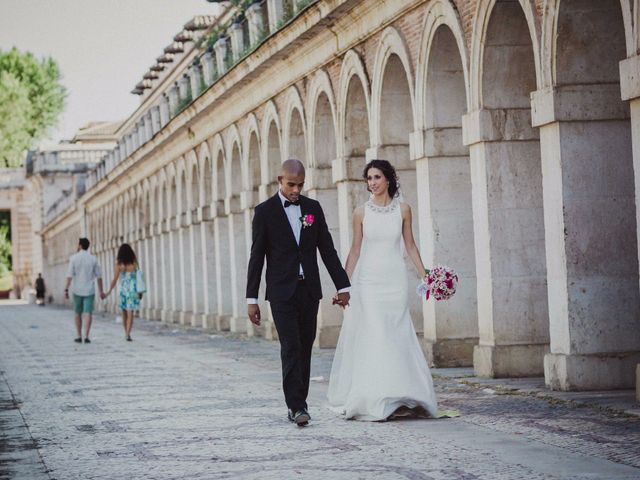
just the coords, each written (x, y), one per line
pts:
(389, 173)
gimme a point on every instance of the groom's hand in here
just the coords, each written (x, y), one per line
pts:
(254, 313)
(342, 299)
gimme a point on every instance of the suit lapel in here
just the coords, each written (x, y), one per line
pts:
(280, 214)
(304, 209)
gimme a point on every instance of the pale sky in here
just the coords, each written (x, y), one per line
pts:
(103, 47)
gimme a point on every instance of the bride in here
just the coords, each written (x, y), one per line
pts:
(379, 369)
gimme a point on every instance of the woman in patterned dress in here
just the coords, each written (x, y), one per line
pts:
(128, 298)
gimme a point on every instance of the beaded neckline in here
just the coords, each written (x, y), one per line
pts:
(386, 209)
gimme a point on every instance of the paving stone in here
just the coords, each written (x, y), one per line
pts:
(180, 403)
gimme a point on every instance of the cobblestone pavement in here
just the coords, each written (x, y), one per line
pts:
(182, 404)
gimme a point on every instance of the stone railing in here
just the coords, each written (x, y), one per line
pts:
(12, 177)
(235, 35)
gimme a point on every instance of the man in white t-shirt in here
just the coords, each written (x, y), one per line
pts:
(83, 271)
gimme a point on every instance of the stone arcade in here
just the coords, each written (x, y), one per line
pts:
(515, 128)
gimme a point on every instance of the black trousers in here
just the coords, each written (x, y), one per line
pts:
(296, 321)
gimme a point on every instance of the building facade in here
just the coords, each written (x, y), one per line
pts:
(515, 129)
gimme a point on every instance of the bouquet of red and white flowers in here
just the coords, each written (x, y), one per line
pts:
(441, 283)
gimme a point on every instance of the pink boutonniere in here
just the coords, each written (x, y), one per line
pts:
(307, 220)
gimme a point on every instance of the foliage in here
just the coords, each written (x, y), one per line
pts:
(5, 250)
(6, 281)
(182, 104)
(31, 101)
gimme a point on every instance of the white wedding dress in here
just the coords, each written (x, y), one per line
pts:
(379, 365)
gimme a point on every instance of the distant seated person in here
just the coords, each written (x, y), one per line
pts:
(40, 290)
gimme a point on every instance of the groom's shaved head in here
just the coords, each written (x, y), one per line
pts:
(293, 167)
(291, 179)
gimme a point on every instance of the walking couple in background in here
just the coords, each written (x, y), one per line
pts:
(379, 369)
(84, 271)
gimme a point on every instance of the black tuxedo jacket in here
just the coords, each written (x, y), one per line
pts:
(274, 239)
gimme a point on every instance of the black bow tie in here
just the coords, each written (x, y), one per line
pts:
(287, 203)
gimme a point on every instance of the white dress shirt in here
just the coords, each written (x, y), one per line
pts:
(83, 270)
(293, 213)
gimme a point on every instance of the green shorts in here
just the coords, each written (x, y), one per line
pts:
(83, 304)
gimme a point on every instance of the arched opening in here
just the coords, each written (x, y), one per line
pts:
(451, 328)
(590, 195)
(207, 182)
(297, 148)
(509, 232)
(322, 188)
(396, 126)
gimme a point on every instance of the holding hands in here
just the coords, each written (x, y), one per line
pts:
(341, 299)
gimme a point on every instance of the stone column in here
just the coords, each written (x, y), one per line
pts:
(209, 273)
(322, 189)
(591, 232)
(239, 259)
(248, 199)
(275, 13)
(184, 87)
(154, 279)
(165, 111)
(135, 137)
(445, 218)
(173, 100)
(148, 123)
(163, 305)
(509, 243)
(221, 54)
(208, 68)
(237, 40)
(197, 287)
(256, 23)
(155, 120)
(195, 77)
(171, 309)
(185, 264)
(223, 271)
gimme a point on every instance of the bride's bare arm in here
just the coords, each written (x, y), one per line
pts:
(356, 242)
(409, 242)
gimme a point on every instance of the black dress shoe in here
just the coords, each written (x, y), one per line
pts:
(290, 415)
(302, 417)
(86, 340)
(78, 340)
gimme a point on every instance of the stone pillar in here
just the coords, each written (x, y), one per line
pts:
(186, 264)
(184, 87)
(165, 111)
(154, 277)
(509, 243)
(275, 13)
(256, 23)
(221, 54)
(195, 77)
(208, 68)
(162, 297)
(155, 120)
(142, 132)
(135, 138)
(173, 100)
(591, 234)
(248, 199)
(321, 188)
(238, 263)
(209, 273)
(445, 218)
(148, 123)
(223, 271)
(197, 287)
(237, 41)
(128, 147)
(170, 312)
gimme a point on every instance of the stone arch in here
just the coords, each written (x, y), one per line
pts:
(506, 174)
(206, 177)
(322, 122)
(271, 150)
(443, 172)
(295, 131)
(172, 191)
(590, 195)
(479, 36)
(392, 88)
(251, 153)
(194, 194)
(354, 105)
(549, 44)
(234, 171)
(182, 175)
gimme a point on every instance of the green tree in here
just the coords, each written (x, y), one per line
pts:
(31, 101)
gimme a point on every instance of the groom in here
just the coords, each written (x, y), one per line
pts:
(288, 229)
